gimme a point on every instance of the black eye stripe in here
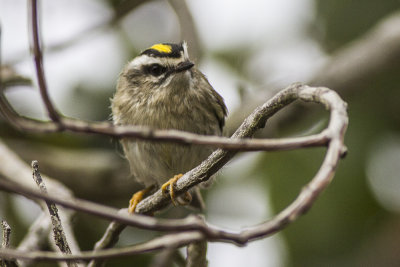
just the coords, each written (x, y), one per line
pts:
(155, 69)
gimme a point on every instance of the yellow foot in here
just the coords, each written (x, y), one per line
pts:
(171, 184)
(136, 198)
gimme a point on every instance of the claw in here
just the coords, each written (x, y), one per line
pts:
(136, 198)
(171, 184)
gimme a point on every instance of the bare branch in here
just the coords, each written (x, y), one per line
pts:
(197, 254)
(142, 132)
(59, 235)
(147, 133)
(38, 59)
(109, 238)
(6, 244)
(106, 212)
(39, 234)
(114, 229)
(175, 240)
(9, 77)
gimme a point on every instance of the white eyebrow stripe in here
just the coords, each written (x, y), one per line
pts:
(142, 60)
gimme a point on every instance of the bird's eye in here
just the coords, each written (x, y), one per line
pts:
(156, 69)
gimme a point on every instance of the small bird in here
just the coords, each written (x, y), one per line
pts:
(161, 88)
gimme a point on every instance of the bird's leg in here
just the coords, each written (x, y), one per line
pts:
(171, 184)
(137, 197)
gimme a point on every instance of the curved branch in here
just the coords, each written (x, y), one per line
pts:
(336, 129)
(334, 133)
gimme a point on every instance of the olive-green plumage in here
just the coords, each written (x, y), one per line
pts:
(162, 89)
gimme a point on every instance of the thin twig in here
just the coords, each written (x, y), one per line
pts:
(38, 59)
(9, 77)
(175, 240)
(5, 243)
(114, 229)
(102, 211)
(59, 235)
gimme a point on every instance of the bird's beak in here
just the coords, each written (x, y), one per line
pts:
(184, 66)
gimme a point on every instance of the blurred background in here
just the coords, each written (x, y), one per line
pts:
(249, 50)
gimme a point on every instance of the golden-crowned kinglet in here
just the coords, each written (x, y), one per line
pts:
(162, 89)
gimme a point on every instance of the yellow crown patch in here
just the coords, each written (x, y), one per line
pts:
(162, 48)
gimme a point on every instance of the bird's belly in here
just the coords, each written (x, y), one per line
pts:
(155, 163)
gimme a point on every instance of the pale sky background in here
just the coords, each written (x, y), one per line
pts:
(276, 28)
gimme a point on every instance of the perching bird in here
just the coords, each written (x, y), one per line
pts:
(161, 88)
